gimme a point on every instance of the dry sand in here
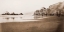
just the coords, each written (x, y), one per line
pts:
(44, 25)
(0, 27)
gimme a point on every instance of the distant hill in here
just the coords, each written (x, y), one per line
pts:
(53, 9)
(57, 7)
(7, 13)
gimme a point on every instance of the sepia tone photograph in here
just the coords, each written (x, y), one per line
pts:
(31, 15)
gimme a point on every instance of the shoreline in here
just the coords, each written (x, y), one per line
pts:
(25, 20)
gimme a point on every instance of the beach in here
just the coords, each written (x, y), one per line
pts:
(50, 24)
(0, 28)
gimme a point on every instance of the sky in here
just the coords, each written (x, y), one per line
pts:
(25, 6)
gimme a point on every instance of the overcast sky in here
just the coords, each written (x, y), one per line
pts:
(24, 6)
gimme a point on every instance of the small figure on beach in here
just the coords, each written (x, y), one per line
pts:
(7, 18)
(13, 18)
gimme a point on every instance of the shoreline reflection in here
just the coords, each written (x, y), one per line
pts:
(20, 18)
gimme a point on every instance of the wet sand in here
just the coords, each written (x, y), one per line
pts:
(43, 25)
